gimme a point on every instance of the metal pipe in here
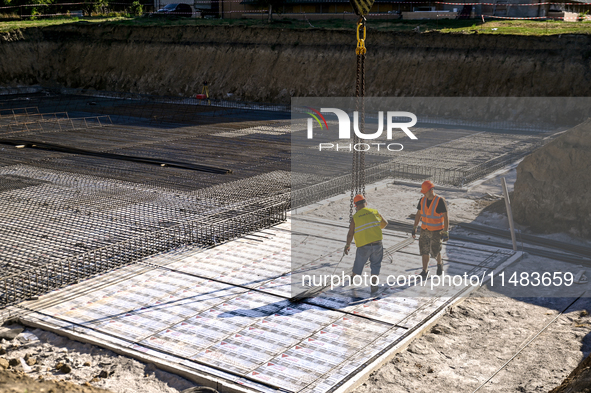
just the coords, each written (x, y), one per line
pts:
(509, 214)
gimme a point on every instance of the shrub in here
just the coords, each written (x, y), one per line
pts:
(137, 8)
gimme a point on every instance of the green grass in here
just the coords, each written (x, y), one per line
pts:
(505, 27)
(524, 27)
(27, 23)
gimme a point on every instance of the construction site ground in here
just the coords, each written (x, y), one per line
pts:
(113, 201)
(474, 340)
(471, 342)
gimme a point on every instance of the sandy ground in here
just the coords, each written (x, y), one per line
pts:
(89, 366)
(18, 382)
(476, 338)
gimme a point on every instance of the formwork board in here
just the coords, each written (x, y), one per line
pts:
(227, 311)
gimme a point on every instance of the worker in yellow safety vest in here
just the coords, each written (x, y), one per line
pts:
(432, 212)
(366, 228)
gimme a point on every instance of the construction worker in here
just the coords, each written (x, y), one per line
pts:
(432, 212)
(366, 227)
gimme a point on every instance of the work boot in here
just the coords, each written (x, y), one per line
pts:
(439, 269)
(374, 290)
(424, 274)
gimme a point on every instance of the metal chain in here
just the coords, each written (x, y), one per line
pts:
(356, 161)
(362, 126)
(358, 167)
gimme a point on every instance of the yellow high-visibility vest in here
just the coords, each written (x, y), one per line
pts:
(367, 226)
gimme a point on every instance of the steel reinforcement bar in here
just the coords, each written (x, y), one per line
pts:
(56, 124)
(479, 171)
(457, 177)
(15, 113)
(57, 274)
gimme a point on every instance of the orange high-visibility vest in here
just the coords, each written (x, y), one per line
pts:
(431, 220)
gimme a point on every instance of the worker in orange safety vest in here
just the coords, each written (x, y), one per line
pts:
(432, 212)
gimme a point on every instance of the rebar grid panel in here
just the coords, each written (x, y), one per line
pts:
(471, 149)
(54, 124)
(10, 155)
(246, 157)
(46, 246)
(264, 186)
(313, 193)
(15, 113)
(127, 108)
(455, 163)
(523, 127)
(137, 205)
(453, 149)
(42, 277)
(434, 170)
(65, 226)
(151, 175)
(157, 176)
(34, 117)
(186, 101)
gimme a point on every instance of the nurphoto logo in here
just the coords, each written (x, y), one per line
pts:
(392, 123)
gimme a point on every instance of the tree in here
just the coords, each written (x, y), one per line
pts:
(95, 6)
(270, 4)
(27, 7)
(137, 8)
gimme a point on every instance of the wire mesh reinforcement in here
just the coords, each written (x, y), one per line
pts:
(48, 276)
(51, 122)
(303, 196)
(75, 208)
(65, 216)
(57, 227)
(129, 107)
(16, 119)
(15, 113)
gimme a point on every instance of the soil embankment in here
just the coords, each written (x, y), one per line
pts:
(578, 381)
(273, 64)
(553, 183)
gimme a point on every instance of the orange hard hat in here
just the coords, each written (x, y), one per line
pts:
(426, 186)
(358, 198)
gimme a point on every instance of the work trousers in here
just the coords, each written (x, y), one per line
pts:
(374, 252)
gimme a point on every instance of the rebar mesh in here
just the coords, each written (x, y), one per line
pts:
(53, 122)
(96, 196)
(66, 214)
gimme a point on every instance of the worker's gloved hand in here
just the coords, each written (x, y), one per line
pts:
(414, 232)
(347, 249)
(444, 236)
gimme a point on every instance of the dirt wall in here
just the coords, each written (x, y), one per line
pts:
(270, 65)
(551, 193)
